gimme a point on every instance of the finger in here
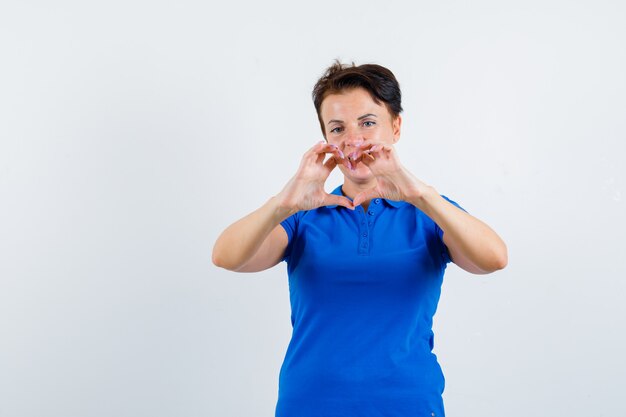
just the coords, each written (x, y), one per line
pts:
(355, 157)
(369, 146)
(327, 148)
(319, 153)
(365, 154)
(331, 163)
(387, 150)
(339, 156)
(311, 154)
(319, 157)
(364, 196)
(380, 151)
(375, 149)
(368, 157)
(332, 199)
(314, 148)
(324, 147)
(346, 163)
(319, 147)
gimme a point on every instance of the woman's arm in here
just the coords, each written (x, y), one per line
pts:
(257, 241)
(472, 244)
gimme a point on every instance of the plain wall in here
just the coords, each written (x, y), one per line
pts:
(132, 133)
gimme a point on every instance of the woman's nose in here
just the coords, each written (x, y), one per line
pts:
(354, 140)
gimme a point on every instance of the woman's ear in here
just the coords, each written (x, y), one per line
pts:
(396, 124)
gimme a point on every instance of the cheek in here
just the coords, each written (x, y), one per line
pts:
(334, 141)
(383, 134)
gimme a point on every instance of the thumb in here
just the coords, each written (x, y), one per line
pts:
(364, 196)
(332, 199)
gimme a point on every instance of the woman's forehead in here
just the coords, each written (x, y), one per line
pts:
(351, 103)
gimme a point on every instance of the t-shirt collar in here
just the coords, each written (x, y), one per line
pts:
(337, 191)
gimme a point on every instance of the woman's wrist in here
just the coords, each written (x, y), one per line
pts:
(423, 196)
(415, 190)
(279, 208)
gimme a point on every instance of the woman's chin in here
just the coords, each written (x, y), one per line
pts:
(360, 174)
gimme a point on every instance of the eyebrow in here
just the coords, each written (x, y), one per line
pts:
(359, 118)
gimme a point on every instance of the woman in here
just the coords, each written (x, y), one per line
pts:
(365, 262)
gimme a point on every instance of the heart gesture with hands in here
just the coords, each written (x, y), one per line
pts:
(305, 190)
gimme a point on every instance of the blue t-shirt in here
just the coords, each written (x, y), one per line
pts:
(364, 288)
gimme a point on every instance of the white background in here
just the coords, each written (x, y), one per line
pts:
(132, 133)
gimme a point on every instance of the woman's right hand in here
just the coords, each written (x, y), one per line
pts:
(305, 191)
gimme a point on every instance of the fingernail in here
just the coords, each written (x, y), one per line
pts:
(341, 154)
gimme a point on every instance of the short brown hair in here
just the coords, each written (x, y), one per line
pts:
(375, 79)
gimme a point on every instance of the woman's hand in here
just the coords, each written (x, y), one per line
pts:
(305, 191)
(472, 244)
(393, 181)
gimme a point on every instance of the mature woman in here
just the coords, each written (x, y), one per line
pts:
(365, 262)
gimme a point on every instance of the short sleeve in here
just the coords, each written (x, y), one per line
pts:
(290, 224)
(445, 253)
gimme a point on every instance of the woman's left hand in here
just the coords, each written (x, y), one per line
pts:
(393, 181)
(472, 244)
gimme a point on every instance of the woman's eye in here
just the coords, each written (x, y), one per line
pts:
(368, 123)
(336, 130)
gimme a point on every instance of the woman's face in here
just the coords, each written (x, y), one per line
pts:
(352, 119)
